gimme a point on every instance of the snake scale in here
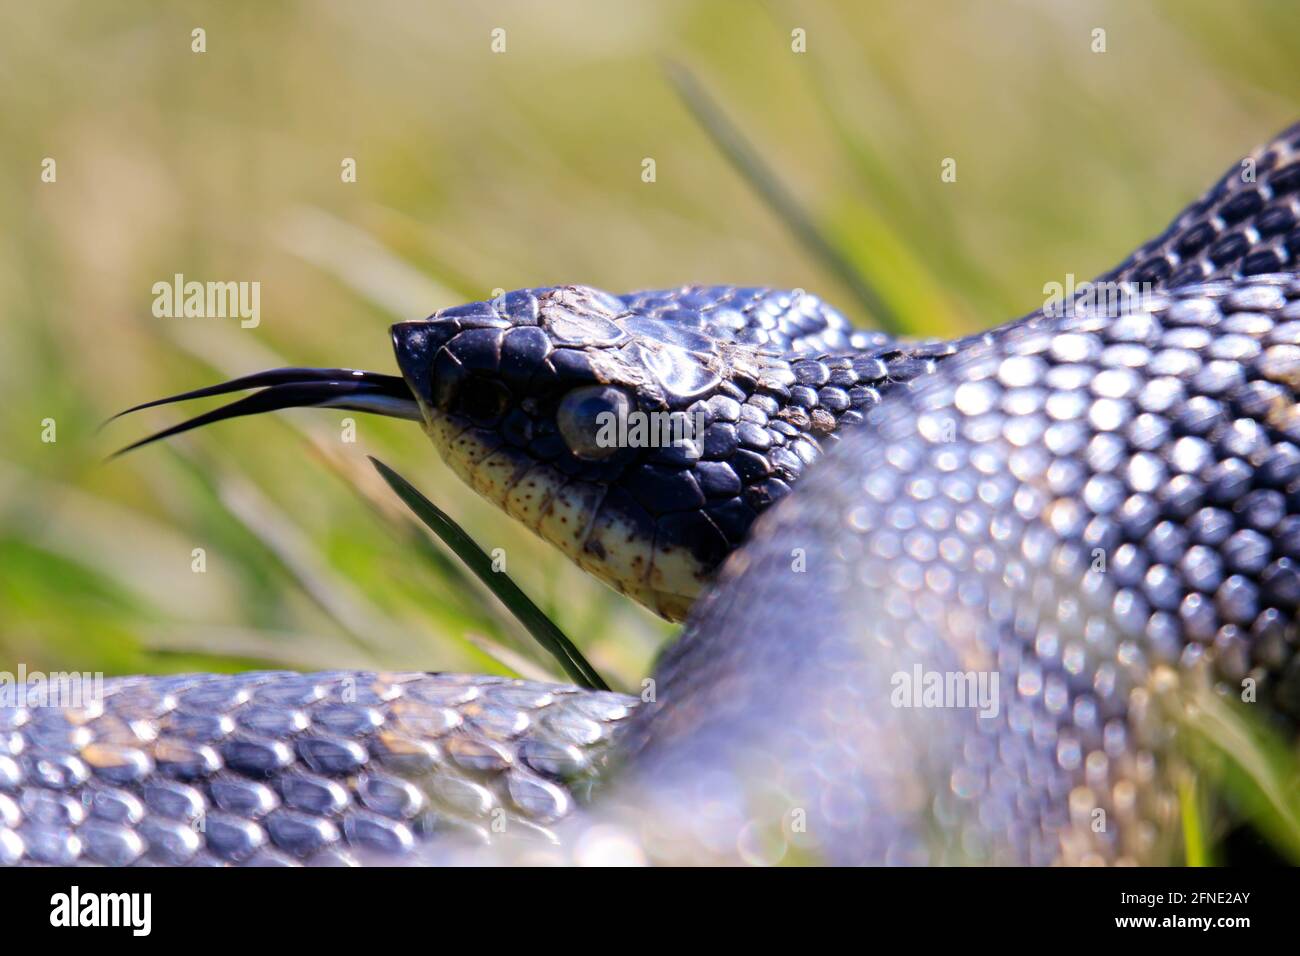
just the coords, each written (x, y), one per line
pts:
(1076, 516)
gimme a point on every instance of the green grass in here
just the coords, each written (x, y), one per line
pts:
(479, 171)
(748, 161)
(496, 580)
(1247, 766)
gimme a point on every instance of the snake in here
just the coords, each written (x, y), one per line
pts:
(944, 600)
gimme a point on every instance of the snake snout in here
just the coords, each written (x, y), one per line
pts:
(460, 350)
(416, 345)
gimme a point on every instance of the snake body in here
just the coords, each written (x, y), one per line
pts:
(1076, 517)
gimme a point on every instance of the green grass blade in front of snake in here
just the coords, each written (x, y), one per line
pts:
(543, 630)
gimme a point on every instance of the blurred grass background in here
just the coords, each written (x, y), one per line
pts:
(481, 170)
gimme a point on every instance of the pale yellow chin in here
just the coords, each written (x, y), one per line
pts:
(570, 514)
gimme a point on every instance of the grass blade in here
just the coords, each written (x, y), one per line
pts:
(1195, 850)
(1250, 764)
(529, 614)
(742, 155)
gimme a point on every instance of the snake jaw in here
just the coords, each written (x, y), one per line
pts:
(594, 524)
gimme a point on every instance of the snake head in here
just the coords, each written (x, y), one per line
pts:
(640, 434)
(631, 441)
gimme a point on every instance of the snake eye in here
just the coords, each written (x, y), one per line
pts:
(589, 419)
